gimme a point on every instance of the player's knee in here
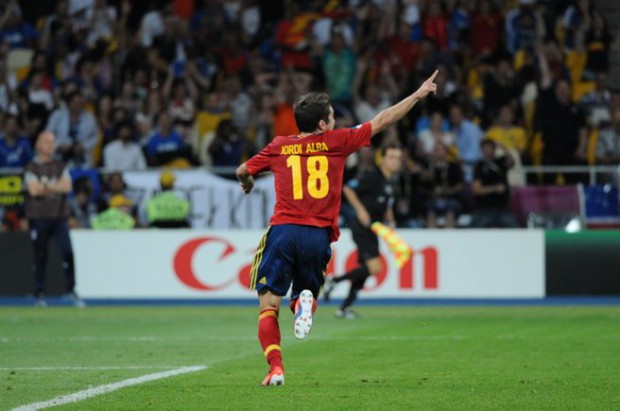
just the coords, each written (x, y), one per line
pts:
(267, 299)
(374, 266)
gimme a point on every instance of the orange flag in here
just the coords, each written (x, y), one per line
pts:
(397, 245)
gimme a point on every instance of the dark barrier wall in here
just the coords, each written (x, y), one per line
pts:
(15, 267)
(584, 263)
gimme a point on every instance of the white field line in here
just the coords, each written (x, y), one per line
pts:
(104, 389)
(236, 338)
(93, 368)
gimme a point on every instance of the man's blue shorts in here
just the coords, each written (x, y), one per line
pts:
(291, 253)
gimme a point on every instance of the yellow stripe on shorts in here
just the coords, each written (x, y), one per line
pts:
(257, 260)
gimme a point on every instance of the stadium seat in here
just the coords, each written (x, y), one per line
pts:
(602, 206)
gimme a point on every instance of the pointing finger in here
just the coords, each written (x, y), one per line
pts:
(432, 78)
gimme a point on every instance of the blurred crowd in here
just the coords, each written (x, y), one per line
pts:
(130, 85)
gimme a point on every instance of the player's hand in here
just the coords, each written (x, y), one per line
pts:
(363, 217)
(247, 185)
(428, 86)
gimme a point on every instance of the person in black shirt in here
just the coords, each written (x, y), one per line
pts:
(372, 197)
(490, 188)
(444, 184)
(48, 182)
(562, 124)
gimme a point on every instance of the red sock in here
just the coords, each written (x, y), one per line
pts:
(269, 337)
(294, 302)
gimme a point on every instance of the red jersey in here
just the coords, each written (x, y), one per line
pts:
(308, 175)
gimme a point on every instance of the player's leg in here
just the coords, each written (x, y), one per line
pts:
(270, 276)
(312, 256)
(39, 236)
(370, 264)
(363, 238)
(269, 335)
(63, 242)
(373, 267)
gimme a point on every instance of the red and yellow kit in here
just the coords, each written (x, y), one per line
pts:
(308, 175)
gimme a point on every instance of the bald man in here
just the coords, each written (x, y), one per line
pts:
(48, 182)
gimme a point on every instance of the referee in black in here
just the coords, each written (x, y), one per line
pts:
(48, 182)
(372, 197)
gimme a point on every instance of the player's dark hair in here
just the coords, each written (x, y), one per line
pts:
(390, 146)
(309, 109)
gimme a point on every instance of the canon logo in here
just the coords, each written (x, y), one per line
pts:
(426, 258)
(430, 266)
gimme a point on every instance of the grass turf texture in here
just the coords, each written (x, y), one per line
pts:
(522, 358)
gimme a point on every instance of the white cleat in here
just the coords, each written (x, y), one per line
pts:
(303, 314)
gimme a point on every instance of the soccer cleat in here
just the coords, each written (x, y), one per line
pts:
(74, 299)
(40, 302)
(328, 287)
(347, 314)
(303, 314)
(274, 377)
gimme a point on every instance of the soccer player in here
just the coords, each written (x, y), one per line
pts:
(308, 170)
(372, 197)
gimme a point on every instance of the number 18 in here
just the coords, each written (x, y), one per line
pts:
(318, 182)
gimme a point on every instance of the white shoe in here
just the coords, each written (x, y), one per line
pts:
(40, 302)
(303, 314)
(75, 300)
(347, 314)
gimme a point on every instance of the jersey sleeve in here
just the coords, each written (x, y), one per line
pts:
(260, 162)
(356, 137)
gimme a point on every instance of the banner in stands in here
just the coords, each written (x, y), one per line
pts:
(216, 202)
(11, 190)
(216, 264)
(11, 201)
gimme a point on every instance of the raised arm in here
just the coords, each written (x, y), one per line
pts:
(394, 113)
(543, 65)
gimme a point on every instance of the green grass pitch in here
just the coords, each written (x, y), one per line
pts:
(393, 358)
